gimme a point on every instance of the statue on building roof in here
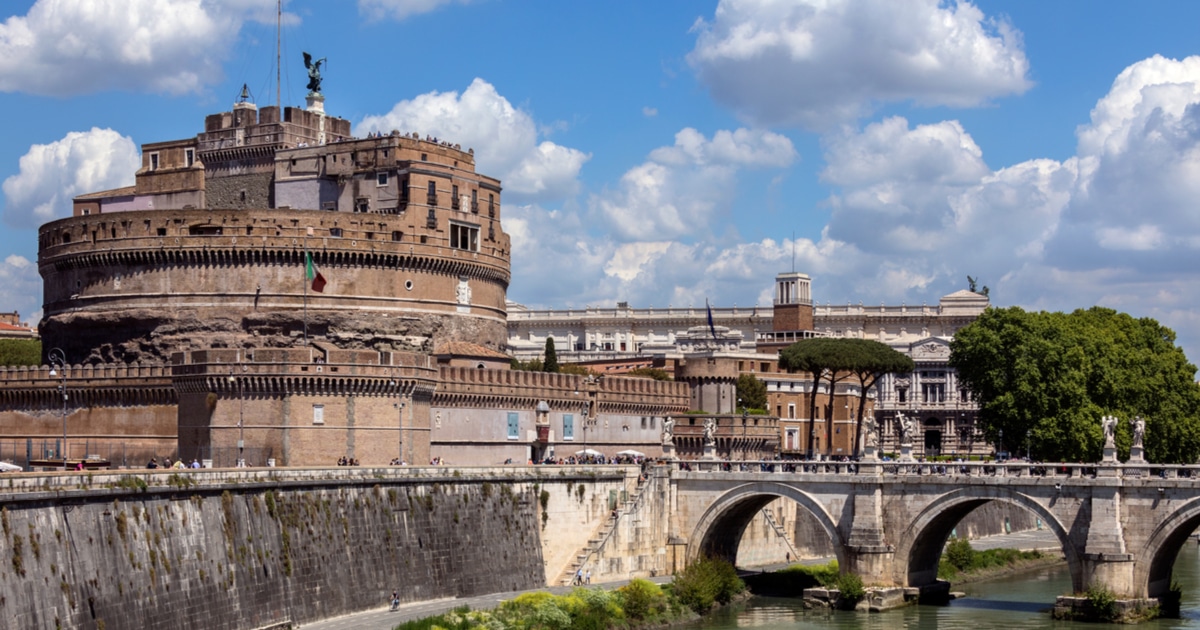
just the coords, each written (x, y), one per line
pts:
(314, 74)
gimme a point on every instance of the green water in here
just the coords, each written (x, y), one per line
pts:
(1003, 604)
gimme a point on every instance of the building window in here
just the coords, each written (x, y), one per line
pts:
(454, 197)
(934, 392)
(87, 211)
(431, 196)
(154, 161)
(568, 426)
(397, 235)
(464, 236)
(514, 425)
(901, 394)
(491, 205)
(475, 201)
(318, 414)
(381, 179)
(335, 231)
(362, 206)
(791, 410)
(189, 156)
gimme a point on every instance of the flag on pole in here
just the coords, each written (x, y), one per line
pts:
(711, 328)
(312, 273)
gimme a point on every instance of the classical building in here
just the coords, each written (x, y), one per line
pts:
(748, 341)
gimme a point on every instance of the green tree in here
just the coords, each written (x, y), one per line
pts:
(868, 361)
(751, 392)
(551, 362)
(657, 374)
(822, 358)
(20, 352)
(1052, 376)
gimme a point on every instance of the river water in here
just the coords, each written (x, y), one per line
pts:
(1001, 604)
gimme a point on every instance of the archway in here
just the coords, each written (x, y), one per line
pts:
(933, 437)
(1162, 548)
(920, 548)
(719, 531)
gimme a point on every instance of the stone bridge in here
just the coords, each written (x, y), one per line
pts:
(1120, 526)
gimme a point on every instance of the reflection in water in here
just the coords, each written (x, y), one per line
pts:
(1002, 604)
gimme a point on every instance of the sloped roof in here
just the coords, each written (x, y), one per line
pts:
(467, 349)
(116, 192)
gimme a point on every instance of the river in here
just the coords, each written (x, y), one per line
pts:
(1001, 604)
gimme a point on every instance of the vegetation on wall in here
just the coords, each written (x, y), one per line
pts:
(1048, 378)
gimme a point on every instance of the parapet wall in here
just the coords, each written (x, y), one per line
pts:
(564, 392)
(206, 549)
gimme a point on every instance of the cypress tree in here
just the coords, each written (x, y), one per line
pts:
(551, 362)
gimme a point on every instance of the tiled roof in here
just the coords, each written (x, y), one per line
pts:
(466, 349)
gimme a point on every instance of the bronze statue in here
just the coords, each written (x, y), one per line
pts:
(314, 74)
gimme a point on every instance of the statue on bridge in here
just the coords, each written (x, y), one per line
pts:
(1109, 424)
(668, 434)
(872, 437)
(1139, 431)
(906, 428)
(710, 430)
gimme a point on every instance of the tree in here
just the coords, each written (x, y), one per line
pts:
(868, 361)
(551, 362)
(820, 357)
(1052, 376)
(751, 392)
(20, 352)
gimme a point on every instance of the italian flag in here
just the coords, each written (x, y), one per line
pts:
(312, 273)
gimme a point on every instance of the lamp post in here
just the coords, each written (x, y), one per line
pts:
(241, 444)
(999, 442)
(58, 360)
(1027, 436)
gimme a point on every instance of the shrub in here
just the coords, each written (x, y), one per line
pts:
(960, 554)
(705, 582)
(1103, 602)
(642, 599)
(851, 591)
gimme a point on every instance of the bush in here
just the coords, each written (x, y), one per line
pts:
(642, 599)
(960, 554)
(851, 590)
(705, 582)
(1103, 602)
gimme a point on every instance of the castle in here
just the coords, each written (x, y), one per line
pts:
(276, 291)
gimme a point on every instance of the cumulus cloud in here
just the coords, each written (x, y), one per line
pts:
(52, 174)
(818, 62)
(21, 288)
(67, 47)
(402, 9)
(681, 188)
(505, 139)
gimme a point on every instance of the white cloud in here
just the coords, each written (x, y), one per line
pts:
(66, 47)
(402, 9)
(649, 112)
(21, 288)
(505, 139)
(682, 188)
(817, 62)
(52, 174)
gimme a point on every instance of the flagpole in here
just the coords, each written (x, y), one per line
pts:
(305, 265)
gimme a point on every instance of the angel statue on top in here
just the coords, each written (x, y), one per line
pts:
(314, 74)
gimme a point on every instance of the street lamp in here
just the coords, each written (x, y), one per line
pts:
(399, 417)
(1027, 435)
(241, 459)
(745, 442)
(999, 442)
(58, 360)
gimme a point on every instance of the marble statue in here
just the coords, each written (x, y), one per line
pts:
(668, 434)
(1139, 431)
(710, 430)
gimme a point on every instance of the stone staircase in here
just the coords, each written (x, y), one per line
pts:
(770, 518)
(603, 534)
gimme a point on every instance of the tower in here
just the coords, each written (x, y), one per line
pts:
(793, 302)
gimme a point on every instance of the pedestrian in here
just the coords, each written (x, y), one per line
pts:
(587, 577)
(788, 556)
(578, 577)
(395, 600)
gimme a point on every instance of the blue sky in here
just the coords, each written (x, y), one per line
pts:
(666, 152)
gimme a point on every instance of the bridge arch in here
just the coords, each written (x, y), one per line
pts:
(920, 546)
(1161, 549)
(720, 529)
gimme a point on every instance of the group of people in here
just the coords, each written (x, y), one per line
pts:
(582, 577)
(166, 463)
(347, 461)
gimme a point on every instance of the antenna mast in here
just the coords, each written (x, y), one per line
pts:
(278, 36)
(793, 251)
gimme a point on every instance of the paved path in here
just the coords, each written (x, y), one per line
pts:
(383, 619)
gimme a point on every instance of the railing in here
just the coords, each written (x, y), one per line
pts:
(946, 469)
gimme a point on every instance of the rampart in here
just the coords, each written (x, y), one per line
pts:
(249, 549)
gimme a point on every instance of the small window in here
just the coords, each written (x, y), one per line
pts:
(397, 235)
(514, 425)
(87, 211)
(162, 231)
(243, 196)
(362, 206)
(154, 161)
(464, 236)
(189, 157)
(381, 179)
(424, 157)
(335, 231)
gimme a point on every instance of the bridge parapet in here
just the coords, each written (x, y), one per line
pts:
(949, 469)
